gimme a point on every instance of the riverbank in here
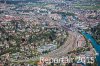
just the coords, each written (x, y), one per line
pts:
(94, 44)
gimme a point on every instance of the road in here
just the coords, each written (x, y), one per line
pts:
(62, 51)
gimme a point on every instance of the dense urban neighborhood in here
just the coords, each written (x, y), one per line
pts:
(49, 32)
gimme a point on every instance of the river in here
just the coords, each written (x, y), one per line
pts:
(94, 44)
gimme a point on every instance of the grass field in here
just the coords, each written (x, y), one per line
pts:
(90, 7)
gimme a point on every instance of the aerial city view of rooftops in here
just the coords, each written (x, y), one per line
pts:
(49, 32)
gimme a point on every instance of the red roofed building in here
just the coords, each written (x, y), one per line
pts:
(8, 18)
(81, 42)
